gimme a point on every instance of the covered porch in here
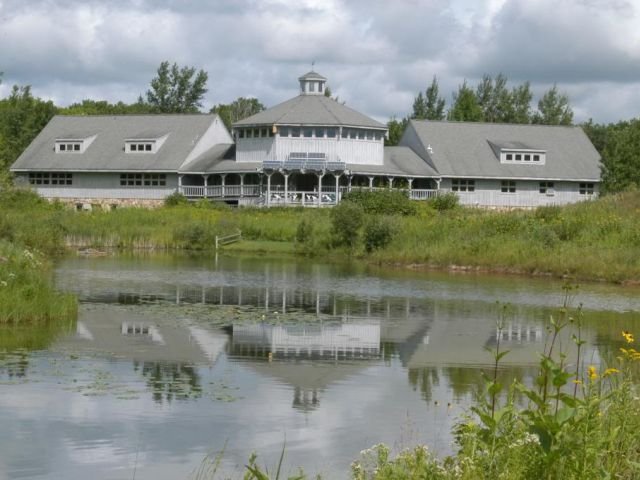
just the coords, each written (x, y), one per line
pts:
(297, 188)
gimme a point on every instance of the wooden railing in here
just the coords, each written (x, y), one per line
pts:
(220, 191)
(327, 196)
(303, 198)
(227, 239)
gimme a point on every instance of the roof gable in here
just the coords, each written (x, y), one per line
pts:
(311, 110)
(107, 153)
(466, 149)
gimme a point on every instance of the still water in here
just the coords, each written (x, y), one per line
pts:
(173, 358)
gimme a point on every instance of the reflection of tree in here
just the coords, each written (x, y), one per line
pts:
(424, 379)
(464, 380)
(19, 340)
(15, 365)
(169, 381)
(305, 399)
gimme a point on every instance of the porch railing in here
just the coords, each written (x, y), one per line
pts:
(304, 198)
(220, 191)
(327, 193)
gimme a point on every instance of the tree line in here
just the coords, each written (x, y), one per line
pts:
(490, 101)
(177, 89)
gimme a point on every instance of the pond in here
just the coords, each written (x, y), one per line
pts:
(173, 358)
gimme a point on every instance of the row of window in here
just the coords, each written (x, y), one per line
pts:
(140, 147)
(143, 179)
(527, 157)
(311, 132)
(255, 132)
(68, 147)
(509, 186)
(54, 178)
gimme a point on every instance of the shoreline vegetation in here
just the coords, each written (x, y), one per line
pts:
(596, 240)
(576, 421)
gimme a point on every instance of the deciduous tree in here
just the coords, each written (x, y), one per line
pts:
(237, 110)
(553, 109)
(465, 105)
(176, 90)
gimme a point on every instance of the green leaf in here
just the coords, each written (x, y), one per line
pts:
(501, 354)
(565, 414)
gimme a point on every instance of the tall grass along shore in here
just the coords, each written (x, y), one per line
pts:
(592, 240)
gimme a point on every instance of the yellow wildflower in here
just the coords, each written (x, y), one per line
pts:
(610, 371)
(591, 371)
(628, 336)
(578, 382)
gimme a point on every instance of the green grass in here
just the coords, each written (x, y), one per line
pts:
(595, 240)
(26, 295)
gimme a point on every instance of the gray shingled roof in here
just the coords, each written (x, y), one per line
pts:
(463, 149)
(222, 154)
(311, 110)
(397, 161)
(312, 76)
(106, 152)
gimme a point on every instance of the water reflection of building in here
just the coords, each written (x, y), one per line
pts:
(164, 351)
(307, 356)
(323, 340)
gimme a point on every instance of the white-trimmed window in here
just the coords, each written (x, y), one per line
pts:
(463, 185)
(331, 133)
(143, 179)
(586, 189)
(68, 147)
(523, 157)
(53, 178)
(547, 188)
(142, 147)
(508, 186)
(283, 131)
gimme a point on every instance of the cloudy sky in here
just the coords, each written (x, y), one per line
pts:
(377, 54)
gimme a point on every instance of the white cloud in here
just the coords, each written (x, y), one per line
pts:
(376, 55)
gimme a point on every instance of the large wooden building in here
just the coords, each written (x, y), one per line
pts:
(305, 151)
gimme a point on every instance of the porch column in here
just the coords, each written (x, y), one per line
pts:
(410, 181)
(241, 184)
(371, 184)
(206, 184)
(350, 177)
(320, 175)
(337, 187)
(390, 182)
(438, 180)
(286, 187)
(179, 183)
(222, 177)
(268, 188)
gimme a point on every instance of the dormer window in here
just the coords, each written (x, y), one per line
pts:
(522, 157)
(144, 144)
(75, 144)
(141, 147)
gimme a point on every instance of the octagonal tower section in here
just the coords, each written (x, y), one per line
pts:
(310, 132)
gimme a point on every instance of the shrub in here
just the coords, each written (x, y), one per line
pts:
(445, 201)
(347, 219)
(20, 198)
(378, 233)
(382, 202)
(175, 199)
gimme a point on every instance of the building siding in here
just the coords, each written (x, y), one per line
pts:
(527, 195)
(360, 152)
(102, 186)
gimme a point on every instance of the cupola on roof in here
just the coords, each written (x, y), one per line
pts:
(312, 83)
(311, 107)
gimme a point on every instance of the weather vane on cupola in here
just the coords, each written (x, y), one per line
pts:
(313, 63)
